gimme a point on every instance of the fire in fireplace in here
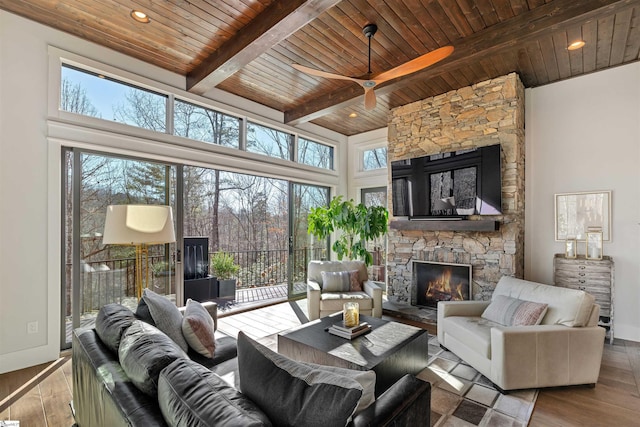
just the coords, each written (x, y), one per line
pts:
(437, 281)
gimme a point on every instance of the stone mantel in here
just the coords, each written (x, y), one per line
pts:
(444, 225)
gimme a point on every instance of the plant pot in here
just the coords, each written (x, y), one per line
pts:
(227, 288)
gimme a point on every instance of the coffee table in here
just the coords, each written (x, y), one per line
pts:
(391, 349)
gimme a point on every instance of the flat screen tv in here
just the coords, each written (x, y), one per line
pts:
(450, 185)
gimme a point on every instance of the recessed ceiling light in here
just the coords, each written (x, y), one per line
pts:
(140, 16)
(576, 45)
(353, 115)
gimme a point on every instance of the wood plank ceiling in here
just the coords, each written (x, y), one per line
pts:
(246, 47)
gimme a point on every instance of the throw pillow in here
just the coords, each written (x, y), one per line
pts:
(510, 311)
(340, 281)
(292, 393)
(165, 315)
(198, 328)
(191, 395)
(144, 352)
(367, 380)
(111, 322)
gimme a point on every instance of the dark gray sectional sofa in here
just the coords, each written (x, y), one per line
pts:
(194, 394)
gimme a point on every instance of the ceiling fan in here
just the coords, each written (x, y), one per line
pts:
(372, 81)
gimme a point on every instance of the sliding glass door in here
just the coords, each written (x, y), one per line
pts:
(303, 246)
(261, 222)
(94, 274)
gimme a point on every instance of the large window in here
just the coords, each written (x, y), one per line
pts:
(374, 159)
(268, 141)
(315, 154)
(205, 124)
(98, 96)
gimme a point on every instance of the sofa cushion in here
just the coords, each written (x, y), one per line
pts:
(191, 395)
(568, 307)
(165, 315)
(144, 352)
(111, 323)
(291, 393)
(198, 329)
(333, 301)
(475, 332)
(315, 269)
(514, 312)
(340, 281)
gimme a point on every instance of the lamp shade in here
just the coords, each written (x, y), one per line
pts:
(138, 224)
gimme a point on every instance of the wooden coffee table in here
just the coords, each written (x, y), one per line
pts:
(391, 349)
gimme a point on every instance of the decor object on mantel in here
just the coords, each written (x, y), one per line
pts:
(358, 225)
(139, 225)
(593, 276)
(593, 243)
(576, 212)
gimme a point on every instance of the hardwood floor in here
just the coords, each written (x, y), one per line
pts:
(45, 390)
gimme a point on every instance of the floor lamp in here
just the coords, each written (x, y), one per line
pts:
(139, 225)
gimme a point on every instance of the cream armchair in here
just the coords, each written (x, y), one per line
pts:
(324, 301)
(565, 348)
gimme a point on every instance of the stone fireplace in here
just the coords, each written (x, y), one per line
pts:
(439, 281)
(488, 113)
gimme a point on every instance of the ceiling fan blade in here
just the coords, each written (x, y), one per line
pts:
(324, 74)
(369, 99)
(415, 64)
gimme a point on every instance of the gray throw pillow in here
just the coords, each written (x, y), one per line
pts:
(144, 352)
(165, 314)
(191, 395)
(111, 323)
(292, 393)
(510, 311)
(198, 329)
(341, 281)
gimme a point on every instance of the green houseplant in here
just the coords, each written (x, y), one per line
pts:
(225, 267)
(357, 223)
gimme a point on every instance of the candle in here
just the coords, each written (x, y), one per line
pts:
(351, 313)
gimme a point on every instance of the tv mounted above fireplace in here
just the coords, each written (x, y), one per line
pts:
(449, 185)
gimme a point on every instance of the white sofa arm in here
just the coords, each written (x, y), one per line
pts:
(375, 292)
(458, 308)
(313, 299)
(461, 308)
(545, 355)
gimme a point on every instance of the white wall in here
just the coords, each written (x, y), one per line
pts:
(583, 134)
(30, 143)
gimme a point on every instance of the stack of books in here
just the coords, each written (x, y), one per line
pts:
(349, 333)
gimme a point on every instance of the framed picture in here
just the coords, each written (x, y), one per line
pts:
(571, 248)
(577, 212)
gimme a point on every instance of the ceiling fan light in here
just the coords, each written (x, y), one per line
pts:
(576, 45)
(140, 16)
(353, 115)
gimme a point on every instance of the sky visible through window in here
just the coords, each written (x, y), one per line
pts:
(105, 95)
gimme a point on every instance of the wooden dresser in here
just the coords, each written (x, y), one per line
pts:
(593, 276)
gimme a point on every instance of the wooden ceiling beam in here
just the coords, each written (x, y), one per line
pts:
(278, 21)
(500, 38)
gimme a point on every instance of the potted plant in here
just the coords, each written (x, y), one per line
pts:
(357, 223)
(225, 267)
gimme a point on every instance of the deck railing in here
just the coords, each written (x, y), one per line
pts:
(113, 280)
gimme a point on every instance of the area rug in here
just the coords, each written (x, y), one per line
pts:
(461, 396)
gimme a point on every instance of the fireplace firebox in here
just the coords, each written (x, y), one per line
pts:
(439, 281)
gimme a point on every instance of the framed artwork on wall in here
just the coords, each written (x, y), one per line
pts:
(575, 213)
